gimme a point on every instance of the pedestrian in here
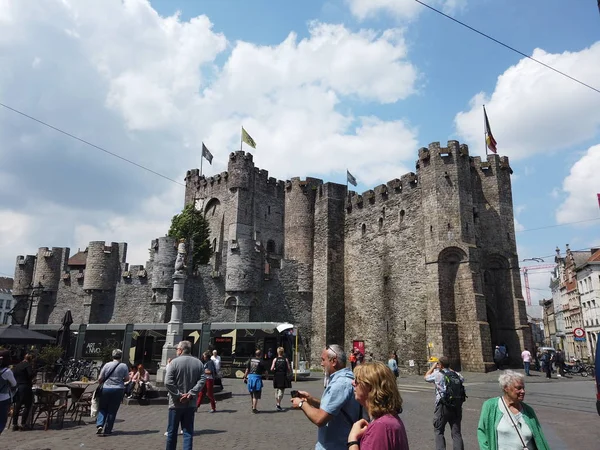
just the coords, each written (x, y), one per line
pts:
(506, 422)
(112, 378)
(7, 383)
(548, 365)
(376, 390)
(559, 362)
(24, 375)
(129, 385)
(498, 357)
(353, 358)
(337, 409)
(393, 365)
(184, 379)
(209, 385)
(442, 375)
(218, 376)
(255, 368)
(396, 358)
(282, 372)
(526, 357)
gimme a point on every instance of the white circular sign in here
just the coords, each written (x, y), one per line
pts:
(579, 332)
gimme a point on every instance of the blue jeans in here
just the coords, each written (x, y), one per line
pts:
(185, 416)
(4, 407)
(526, 364)
(107, 408)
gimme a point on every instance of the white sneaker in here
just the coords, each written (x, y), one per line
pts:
(167, 433)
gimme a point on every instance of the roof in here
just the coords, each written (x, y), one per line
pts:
(78, 259)
(580, 257)
(595, 257)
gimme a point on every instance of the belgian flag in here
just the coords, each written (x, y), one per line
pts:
(489, 137)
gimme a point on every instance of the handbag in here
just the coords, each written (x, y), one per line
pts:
(98, 391)
(514, 425)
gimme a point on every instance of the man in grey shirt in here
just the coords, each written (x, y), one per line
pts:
(184, 379)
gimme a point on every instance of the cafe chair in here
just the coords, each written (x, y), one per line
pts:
(49, 406)
(83, 404)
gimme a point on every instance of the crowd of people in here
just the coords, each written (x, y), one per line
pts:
(359, 408)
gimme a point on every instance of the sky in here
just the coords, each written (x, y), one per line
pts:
(321, 86)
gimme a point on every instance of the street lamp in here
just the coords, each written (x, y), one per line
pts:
(36, 291)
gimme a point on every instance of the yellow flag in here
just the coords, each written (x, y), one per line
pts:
(248, 139)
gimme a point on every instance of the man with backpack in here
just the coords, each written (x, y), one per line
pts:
(449, 398)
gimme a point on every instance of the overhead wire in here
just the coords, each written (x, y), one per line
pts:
(509, 47)
(91, 144)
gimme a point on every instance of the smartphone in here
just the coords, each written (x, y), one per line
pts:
(294, 393)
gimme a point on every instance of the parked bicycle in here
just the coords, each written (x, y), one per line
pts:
(75, 370)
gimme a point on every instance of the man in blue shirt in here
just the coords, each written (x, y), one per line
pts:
(337, 410)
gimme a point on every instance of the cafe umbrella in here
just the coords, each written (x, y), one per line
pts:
(16, 334)
(63, 339)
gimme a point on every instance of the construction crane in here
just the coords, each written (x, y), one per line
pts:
(526, 270)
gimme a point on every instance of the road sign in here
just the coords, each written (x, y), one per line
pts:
(579, 333)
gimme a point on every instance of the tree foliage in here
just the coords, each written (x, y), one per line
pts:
(191, 225)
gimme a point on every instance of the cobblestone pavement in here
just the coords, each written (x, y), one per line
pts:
(566, 409)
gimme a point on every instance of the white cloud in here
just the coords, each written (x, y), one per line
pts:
(401, 9)
(534, 110)
(581, 187)
(152, 88)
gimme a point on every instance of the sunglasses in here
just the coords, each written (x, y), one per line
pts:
(329, 348)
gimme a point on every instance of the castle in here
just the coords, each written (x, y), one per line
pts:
(425, 264)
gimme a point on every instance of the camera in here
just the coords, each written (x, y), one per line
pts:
(294, 393)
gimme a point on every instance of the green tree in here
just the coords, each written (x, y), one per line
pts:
(191, 225)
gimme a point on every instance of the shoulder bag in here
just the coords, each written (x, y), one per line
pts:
(98, 392)
(514, 424)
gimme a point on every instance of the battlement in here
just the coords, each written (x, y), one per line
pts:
(382, 192)
(241, 155)
(434, 150)
(309, 183)
(491, 164)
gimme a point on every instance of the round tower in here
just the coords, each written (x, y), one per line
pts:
(163, 267)
(23, 275)
(49, 267)
(299, 227)
(102, 266)
(244, 267)
(240, 170)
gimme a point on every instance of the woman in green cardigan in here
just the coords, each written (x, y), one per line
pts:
(508, 423)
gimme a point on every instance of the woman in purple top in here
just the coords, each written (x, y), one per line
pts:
(376, 390)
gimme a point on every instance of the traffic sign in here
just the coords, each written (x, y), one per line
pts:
(579, 333)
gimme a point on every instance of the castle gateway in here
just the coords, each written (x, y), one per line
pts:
(425, 264)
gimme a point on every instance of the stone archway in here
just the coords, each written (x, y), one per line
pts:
(453, 290)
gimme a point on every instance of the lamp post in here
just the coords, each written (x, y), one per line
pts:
(36, 291)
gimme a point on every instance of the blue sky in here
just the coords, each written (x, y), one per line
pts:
(321, 86)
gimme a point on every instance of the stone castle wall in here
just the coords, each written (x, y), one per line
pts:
(425, 264)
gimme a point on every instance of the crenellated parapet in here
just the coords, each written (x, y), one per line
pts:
(383, 192)
(24, 269)
(491, 164)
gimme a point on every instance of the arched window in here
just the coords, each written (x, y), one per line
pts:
(212, 207)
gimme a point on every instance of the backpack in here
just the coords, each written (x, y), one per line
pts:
(454, 395)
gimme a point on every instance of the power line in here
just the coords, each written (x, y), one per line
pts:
(90, 144)
(559, 225)
(509, 47)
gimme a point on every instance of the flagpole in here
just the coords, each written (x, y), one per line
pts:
(241, 138)
(201, 158)
(484, 133)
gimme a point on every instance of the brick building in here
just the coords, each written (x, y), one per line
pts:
(425, 262)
